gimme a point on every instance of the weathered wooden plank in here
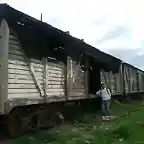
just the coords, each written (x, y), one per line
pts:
(17, 71)
(36, 61)
(76, 84)
(38, 69)
(18, 81)
(17, 76)
(49, 90)
(55, 75)
(78, 87)
(20, 67)
(49, 74)
(55, 79)
(14, 42)
(55, 93)
(17, 62)
(77, 90)
(54, 72)
(57, 65)
(16, 57)
(12, 36)
(55, 68)
(22, 91)
(39, 74)
(4, 34)
(55, 82)
(24, 77)
(22, 72)
(86, 77)
(77, 94)
(20, 86)
(36, 65)
(55, 86)
(14, 47)
(24, 95)
(16, 52)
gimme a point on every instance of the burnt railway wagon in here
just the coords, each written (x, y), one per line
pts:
(128, 81)
(42, 67)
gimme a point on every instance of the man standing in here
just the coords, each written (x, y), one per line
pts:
(106, 97)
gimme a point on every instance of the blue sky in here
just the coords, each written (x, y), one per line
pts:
(113, 26)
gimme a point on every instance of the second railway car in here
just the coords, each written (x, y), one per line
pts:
(129, 80)
(38, 70)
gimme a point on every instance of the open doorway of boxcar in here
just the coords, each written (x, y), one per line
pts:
(94, 85)
(94, 77)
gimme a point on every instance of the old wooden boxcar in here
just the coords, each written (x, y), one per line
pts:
(40, 65)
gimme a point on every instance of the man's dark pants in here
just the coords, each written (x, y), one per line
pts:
(105, 107)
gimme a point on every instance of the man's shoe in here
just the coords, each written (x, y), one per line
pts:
(107, 118)
(103, 118)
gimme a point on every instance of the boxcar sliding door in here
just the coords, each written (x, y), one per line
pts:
(75, 79)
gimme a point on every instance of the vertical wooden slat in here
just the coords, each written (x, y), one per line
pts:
(128, 73)
(123, 78)
(69, 73)
(116, 88)
(129, 79)
(4, 38)
(110, 73)
(66, 80)
(45, 77)
(137, 79)
(86, 74)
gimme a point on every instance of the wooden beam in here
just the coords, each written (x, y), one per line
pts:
(86, 75)
(65, 80)
(45, 78)
(138, 86)
(110, 73)
(69, 74)
(4, 38)
(123, 79)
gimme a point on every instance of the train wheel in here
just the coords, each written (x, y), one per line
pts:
(14, 122)
(43, 118)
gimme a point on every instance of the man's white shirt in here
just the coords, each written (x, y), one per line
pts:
(104, 93)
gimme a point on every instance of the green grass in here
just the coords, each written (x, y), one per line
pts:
(128, 128)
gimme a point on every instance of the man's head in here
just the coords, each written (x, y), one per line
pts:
(102, 86)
